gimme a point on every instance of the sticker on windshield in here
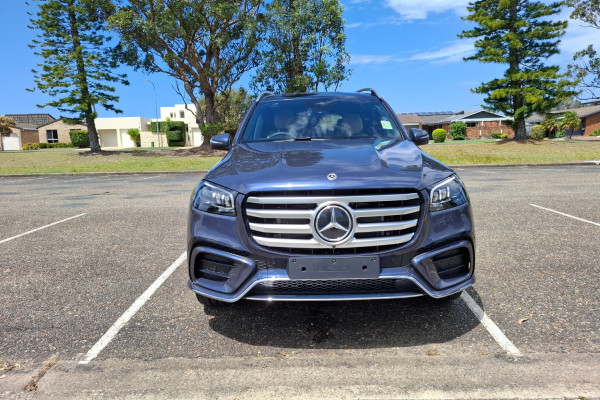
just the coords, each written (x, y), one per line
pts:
(386, 124)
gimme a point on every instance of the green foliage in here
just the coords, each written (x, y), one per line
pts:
(504, 136)
(595, 132)
(551, 124)
(31, 146)
(439, 136)
(305, 47)
(134, 134)
(174, 135)
(232, 107)
(496, 135)
(586, 63)
(77, 71)
(165, 126)
(559, 134)
(6, 124)
(521, 34)
(537, 132)
(210, 130)
(205, 45)
(80, 138)
(458, 130)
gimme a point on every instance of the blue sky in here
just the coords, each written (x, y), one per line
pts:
(405, 49)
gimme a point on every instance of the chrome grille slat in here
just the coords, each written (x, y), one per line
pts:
(285, 220)
(340, 199)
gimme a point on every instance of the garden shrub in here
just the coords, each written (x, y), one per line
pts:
(80, 138)
(458, 130)
(31, 146)
(596, 132)
(134, 134)
(439, 135)
(559, 134)
(496, 135)
(210, 130)
(537, 132)
(504, 136)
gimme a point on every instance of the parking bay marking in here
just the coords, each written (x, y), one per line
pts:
(565, 215)
(491, 327)
(41, 227)
(131, 311)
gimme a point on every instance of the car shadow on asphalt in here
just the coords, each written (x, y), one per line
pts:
(344, 325)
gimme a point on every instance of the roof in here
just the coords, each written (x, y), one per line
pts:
(25, 126)
(443, 117)
(582, 112)
(410, 118)
(32, 119)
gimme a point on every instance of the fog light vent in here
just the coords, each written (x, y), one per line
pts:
(452, 264)
(212, 267)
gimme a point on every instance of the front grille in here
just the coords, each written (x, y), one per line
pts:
(346, 286)
(284, 220)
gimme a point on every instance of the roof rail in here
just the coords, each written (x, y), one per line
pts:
(373, 92)
(263, 94)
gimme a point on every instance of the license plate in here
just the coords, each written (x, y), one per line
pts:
(333, 267)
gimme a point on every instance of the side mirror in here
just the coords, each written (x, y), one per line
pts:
(418, 136)
(220, 141)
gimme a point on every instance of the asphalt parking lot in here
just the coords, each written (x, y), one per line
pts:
(105, 239)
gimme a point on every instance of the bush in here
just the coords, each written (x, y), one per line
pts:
(210, 130)
(458, 130)
(596, 132)
(559, 134)
(496, 135)
(504, 136)
(439, 136)
(31, 146)
(80, 138)
(134, 134)
(537, 132)
(165, 126)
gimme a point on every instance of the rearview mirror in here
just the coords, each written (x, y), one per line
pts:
(220, 141)
(418, 136)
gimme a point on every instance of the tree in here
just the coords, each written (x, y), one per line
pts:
(551, 124)
(520, 34)
(78, 67)
(205, 45)
(6, 124)
(232, 108)
(304, 48)
(570, 121)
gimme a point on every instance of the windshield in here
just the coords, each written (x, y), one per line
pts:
(318, 117)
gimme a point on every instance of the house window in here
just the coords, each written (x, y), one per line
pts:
(181, 114)
(172, 115)
(52, 135)
(471, 124)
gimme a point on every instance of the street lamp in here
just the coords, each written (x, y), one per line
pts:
(156, 111)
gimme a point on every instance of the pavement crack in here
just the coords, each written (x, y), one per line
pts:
(46, 365)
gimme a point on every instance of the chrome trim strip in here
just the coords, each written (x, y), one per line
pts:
(345, 297)
(385, 212)
(386, 226)
(279, 213)
(341, 199)
(281, 228)
(313, 244)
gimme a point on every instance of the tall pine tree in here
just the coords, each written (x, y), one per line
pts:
(522, 35)
(304, 47)
(78, 67)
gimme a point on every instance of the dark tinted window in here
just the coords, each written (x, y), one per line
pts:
(318, 117)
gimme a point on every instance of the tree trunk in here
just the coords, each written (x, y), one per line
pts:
(89, 113)
(519, 128)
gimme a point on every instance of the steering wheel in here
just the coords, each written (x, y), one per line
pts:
(280, 135)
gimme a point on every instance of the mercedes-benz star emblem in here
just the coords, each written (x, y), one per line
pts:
(332, 177)
(333, 224)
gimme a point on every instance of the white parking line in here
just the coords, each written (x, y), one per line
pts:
(131, 311)
(141, 179)
(566, 215)
(491, 327)
(40, 228)
(487, 172)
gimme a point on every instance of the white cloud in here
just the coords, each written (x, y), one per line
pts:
(372, 59)
(419, 9)
(354, 25)
(453, 52)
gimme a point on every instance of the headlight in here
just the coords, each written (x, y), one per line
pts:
(213, 199)
(447, 194)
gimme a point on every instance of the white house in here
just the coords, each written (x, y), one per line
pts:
(179, 112)
(113, 131)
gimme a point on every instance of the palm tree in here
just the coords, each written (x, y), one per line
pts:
(570, 121)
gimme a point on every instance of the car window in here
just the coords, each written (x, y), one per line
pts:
(320, 118)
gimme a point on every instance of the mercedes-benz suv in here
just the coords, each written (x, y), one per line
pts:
(326, 196)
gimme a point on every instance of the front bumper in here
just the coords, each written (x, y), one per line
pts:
(242, 278)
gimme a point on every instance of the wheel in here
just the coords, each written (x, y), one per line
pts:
(207, 301)
(280, 135)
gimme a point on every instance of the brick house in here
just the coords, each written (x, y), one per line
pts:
(480, 123)
(26, 130)
(57, 131)
(589, 114)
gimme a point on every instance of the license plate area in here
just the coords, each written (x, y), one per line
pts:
(333, 267)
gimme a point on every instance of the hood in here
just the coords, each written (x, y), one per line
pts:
(302, 165)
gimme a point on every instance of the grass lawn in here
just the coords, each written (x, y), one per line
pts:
(467, 152)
